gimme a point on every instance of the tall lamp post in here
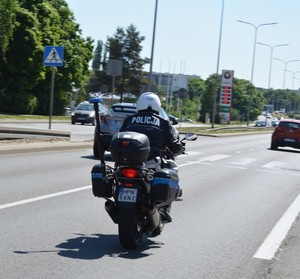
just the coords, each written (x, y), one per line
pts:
(294, 73)
(284, 71)
(217, 71)
(271, 59)
(253, 58)
(152, 48)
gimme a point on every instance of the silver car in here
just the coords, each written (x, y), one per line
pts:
(112, 120)
(84, 113)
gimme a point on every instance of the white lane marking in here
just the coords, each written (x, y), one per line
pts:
(211, 158)
(44, 197)
(273, 241)
(187, 164)
(234, 167)
(243, 161)
(274, 165)
(268, 171)
(195, 162)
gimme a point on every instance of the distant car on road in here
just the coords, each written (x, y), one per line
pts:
(286, 133)
(260, 123)
(274, 122)
(112, 120)
(84, 113)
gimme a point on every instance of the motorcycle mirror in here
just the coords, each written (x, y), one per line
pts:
(191, 136)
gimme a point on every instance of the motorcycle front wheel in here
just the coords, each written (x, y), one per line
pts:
(130, 228)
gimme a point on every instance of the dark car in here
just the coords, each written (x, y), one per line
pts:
(84, 113)
(112, 120)
(286, 133)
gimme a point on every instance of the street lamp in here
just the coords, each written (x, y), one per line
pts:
(284, 71)
(253, 59)
(271, 59)
(217, 71)
(294, 73)
(152, 48)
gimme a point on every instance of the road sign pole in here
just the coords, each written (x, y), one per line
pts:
(51, 96)
(53, 57)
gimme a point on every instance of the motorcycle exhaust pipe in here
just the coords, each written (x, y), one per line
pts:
(154, 217)
(112, 210)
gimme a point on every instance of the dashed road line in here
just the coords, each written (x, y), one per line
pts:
(267, 171)
(243, 161)
(234, 167)
(12, 204)
(274, 165)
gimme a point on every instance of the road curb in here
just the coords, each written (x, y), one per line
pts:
(9, 147)
(40, 132)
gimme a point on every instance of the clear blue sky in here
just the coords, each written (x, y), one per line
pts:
(187, 34)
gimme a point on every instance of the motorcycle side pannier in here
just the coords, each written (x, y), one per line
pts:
(164, 186)
(129, 147)
(101, 184)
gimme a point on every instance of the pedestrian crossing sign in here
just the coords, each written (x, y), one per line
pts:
(53, 56)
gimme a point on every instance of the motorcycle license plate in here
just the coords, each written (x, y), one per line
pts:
(127, 195)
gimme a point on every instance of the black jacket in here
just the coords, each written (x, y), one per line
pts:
(160, 132)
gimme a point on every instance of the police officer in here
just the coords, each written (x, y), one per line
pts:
(162, 135)
(147, 121)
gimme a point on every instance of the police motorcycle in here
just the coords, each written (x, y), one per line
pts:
(135, 189)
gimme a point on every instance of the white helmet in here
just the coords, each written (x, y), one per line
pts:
(148, 101)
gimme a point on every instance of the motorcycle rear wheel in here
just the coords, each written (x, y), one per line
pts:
(130, 228)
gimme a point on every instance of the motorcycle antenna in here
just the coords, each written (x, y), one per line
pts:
(96, 102)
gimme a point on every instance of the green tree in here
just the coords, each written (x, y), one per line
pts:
(61, 29)
(99, 80)
(126, 45)
(25, 82)
(283, 99)
(97, 59)
(208, 96)
(22, 68)
(257, 102)
(7, 17)
(196, 87)
(240, 99)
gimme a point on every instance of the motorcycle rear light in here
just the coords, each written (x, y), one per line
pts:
(125, 143)
(130, 173)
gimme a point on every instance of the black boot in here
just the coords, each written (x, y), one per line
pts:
(179, 194)
(164, 212)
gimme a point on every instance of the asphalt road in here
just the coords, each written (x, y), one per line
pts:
(236, 192)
